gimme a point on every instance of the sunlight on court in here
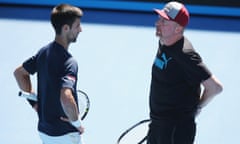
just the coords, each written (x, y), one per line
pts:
(115, 71)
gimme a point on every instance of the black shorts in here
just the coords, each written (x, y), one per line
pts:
(172, 131)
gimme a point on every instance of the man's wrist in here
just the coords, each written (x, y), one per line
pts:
(76, 123)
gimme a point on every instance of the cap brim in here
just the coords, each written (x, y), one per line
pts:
(162, 13)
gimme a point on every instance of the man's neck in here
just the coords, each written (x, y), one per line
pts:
(171, 41)
(63, 42)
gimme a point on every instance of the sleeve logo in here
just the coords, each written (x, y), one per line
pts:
(72, 78)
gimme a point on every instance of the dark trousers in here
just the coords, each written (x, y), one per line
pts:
(172, 131)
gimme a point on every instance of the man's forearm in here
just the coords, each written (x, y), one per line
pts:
(212, 87)
(69, 105)
(23, 79)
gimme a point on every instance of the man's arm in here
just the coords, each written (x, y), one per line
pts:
(70, 108)
(24, 82)
(23, 79)
(212, 87)
(69, 105)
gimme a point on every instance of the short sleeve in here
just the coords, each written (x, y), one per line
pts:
(194, 67)
(69, 78)
(30, 65)
(191, 62)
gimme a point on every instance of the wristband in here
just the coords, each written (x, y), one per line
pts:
(76, 123)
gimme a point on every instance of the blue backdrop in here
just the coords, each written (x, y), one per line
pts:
(140, 5)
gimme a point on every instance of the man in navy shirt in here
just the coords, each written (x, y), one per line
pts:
(56, 71)
(178, 73)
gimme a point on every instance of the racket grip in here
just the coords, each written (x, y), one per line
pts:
(27, 95)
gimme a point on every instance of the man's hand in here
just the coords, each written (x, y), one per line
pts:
(80, 129)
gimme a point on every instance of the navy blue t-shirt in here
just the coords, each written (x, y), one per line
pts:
(177, 73)
(55, 68)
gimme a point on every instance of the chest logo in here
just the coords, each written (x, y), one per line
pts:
(162, 62)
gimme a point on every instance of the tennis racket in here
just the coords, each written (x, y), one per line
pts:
(136, 134)
(83, 101)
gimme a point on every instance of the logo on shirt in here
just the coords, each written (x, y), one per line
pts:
(162, 62)
(72, 78)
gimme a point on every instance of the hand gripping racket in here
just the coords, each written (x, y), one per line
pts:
(136, 134)
(83, 101)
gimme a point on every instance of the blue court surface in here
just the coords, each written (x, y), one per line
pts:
(115, 70)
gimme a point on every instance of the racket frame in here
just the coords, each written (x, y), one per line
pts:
(33, 97)
(132, 127)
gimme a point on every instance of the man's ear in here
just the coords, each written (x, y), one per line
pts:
(65, 28)
(179, 29)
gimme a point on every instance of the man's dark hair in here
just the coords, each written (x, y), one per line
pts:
(64, 14)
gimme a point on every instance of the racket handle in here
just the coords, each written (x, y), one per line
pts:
(27, 95)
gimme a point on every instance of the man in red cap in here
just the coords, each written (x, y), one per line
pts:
(178, 73)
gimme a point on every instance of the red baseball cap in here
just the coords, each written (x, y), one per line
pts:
(175, 11)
